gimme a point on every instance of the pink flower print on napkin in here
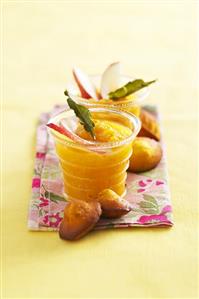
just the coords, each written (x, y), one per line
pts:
(54, 186)
(40, 155)
(158, 182)
(152, 218)
(146, 185)
(161, 217)
(141, 183)
(138, 183)
(140, 190)
(166, 209)
(36, 183)
(43, 202)
(52, 220)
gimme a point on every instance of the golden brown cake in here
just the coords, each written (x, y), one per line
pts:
(79, 218)
(146, 155)
(113, 206)
(150, 127)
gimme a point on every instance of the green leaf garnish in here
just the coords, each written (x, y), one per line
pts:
(83, 114)
(66, 92)
(128, 89)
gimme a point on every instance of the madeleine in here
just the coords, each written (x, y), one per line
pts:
(150, 126)
(79, 218)
(113, 206)
(146, 155)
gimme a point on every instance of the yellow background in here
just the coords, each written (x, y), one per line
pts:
(42, 40)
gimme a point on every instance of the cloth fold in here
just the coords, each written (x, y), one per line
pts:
(148, 192)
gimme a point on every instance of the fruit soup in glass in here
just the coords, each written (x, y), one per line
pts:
(89, 166)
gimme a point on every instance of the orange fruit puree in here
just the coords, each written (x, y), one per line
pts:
(105, 131)
(87, 172)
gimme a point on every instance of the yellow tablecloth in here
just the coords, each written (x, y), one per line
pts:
(42, 40)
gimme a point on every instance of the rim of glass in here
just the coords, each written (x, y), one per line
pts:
(97, 103)
(96, 144)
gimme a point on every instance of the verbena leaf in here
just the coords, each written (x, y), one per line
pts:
(66, 92)
(84, 116)
(129, 88)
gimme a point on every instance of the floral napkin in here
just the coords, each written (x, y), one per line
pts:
(148, 192)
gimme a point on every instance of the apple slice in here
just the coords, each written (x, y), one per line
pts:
(111, 79)
(62, 130)
(85, 85)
